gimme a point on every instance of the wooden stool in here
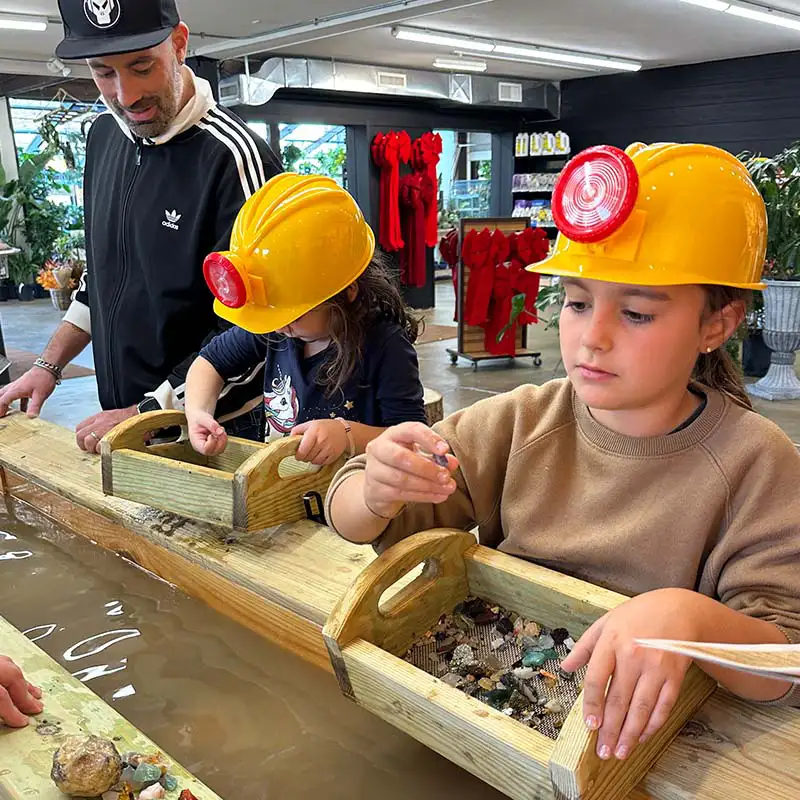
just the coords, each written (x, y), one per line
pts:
(434, 409)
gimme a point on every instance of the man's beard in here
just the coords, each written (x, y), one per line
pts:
(166, 109)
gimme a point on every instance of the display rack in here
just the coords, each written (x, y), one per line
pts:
(527, 168)
(471, 338)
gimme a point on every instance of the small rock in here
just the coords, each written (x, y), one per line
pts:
(533, 658)
(553, 707)
(497, 697)
(496, 676)
(474, 607)
(524, 673)
(531, 629)
(86, 766)
(519, 624)
(493, 663)
(566, 676)
(558, 724)
(509, 712)
(560, 635)
(469, 678)
(463, 656)
(187, 795)
(154, 792)
(451, 679)
(147, 773)
(496, 644)
(447, 645)
(545, 642)
(169, 783)
(486, 617)
(518, 701)
(550, 654)
(486, 683)
(569, 643)
(504, 626)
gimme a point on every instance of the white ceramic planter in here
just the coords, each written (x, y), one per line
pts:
(782, 336)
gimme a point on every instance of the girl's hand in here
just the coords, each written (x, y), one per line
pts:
(397, 473)
(644, 683)
(18, 698)
(205, 433)
(324, 441)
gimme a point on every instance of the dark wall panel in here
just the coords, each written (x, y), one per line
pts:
(739, 104)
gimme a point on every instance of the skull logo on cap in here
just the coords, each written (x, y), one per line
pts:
(102, 13)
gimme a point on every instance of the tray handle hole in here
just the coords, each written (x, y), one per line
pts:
(174, 434)
(290, 467)
(409, 588)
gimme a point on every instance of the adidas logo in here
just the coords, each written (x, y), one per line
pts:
(172, 219)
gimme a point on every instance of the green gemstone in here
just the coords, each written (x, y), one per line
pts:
(497, 697)
(549, 654)
(169, 783)
(534, 658)
(147, 773)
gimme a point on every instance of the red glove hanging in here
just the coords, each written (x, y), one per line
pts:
(475, 255)
(425, 156)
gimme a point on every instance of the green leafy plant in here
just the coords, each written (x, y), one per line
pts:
(778, 181)
(550, 300)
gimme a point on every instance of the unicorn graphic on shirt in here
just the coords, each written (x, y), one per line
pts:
(280, 408)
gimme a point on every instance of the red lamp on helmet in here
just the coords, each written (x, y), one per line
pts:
(595, 194)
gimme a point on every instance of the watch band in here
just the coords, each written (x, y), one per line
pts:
(349, 431)
(53, 369)
(148, 404)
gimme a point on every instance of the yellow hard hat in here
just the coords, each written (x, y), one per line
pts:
(297, 242)
(658, 215)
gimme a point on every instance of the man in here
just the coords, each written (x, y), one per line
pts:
(166, 173)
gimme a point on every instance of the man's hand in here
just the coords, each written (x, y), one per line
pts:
(89, 432)
(36, 384)
(17, 697)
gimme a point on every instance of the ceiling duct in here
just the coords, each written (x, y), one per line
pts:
(337, 76)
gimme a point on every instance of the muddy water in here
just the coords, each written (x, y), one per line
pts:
(250, 720)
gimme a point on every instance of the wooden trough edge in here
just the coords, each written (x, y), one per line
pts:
(70, 708)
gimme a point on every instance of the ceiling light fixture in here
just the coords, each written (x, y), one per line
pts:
(460, 65)
(751, 11)
(527, 52)
(536, 63)
(443, 39)
(15, 22)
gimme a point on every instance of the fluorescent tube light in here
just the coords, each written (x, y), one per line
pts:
(539, 63)
(712, 5)
(13, 22)
(460, 65)
(559, 57)
(764, 15)
(471, 44)
(444, 39)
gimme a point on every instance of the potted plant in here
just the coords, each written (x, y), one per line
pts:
(778, 181)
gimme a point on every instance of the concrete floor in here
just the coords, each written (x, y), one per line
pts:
(28, 326)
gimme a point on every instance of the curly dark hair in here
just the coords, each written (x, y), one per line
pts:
(377, 299)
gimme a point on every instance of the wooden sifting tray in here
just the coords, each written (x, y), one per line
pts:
(249, 486)
(371, 628)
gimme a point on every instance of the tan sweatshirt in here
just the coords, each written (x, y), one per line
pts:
(714, 507)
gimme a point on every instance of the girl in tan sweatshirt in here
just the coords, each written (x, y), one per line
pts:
(646, 470)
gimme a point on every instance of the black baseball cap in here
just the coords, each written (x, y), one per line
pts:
(110, 27)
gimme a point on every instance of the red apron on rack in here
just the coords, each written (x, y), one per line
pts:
(388, 152)
(425, 156)
(475, 255)
(416, 195)
(448, 248)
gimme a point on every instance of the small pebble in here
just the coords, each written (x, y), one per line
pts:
(497, 697)
(451, 679)
(519, 624)
(469, 678)
(154, 792)
(496, 676)
(524, 673)
(560, 635)
(569, 643)
(549, 654)
(486, 683)
(497, 643)
(545, 642)
(147, 773)
(533, 658)
(566, 676)
(509, 712)
(531, 629)
(545, 674)
(485, 617)
(169, 783)
(553, 707)
(504, 626)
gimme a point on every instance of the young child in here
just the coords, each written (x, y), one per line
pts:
(310, 301)
(646, 470)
